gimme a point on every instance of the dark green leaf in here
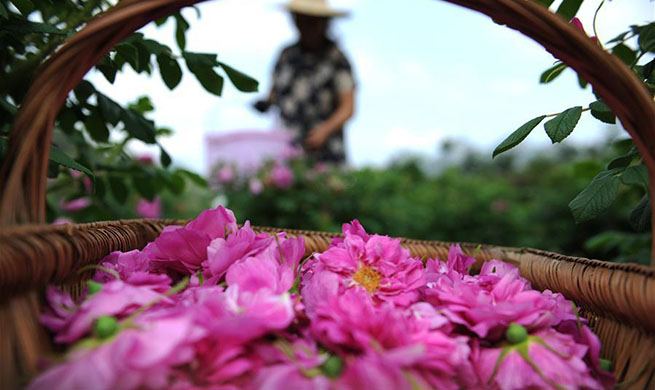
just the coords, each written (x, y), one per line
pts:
(27, 27)
(636, 175)
(7, 107)
(161, 21)
(602, 112)
(108, 68)
(640, 217)
(3, 11)
(83, 90)
(181, 26)
(155, 47)
(129, 53)
(518, 136)
(619, 38)
(243, 82)
(209, 79)
(169, 69)
(200, 59)
(582, 82)
(545, 3)
(99, 188)
(96, 127)
(24, 6)
(569, 8)
(144, 187)
(625, 54)
(647, 38)
(648, 70)
(552, 73)
(110, 110)
(623, 160)
(563, 124)
(53, 170)
(176, 183)
(118, 188)
(144, 57)
(138, 126)
(164, 158)
(194, 177)
(596, 198)
(62, 158)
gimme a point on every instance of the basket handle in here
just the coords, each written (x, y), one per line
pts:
(23, 175)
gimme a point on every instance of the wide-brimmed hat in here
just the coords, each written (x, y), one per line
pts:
(314, 8)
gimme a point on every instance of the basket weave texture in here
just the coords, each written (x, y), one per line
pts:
(617, 299)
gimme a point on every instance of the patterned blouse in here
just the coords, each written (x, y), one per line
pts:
(306, 88)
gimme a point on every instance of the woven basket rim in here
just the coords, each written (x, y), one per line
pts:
(16, 231)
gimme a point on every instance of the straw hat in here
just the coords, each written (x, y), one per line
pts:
(314, 8)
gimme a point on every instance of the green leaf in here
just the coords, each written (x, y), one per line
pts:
(647, 38)
(569, 8)
(636, 175)
(143, 57)
(142, 105)
(181, 26)
(517, 136)
(619, 38)
(62, 159)
(648, 70)
(563, 124)
(155, 47)
(27, 27)
(96, 127)
(108, 69)
(582, 82)
(602, 112)
(83, 90)
(597, 197)
(24, 6)
(110, 110)
(164, 158)
(128, 53)
(138, 126)
(552, 73)
(201, 65)
(118, 188)
(623, 160)
(243, 82)
(545, 3)
(3, 11)
(170, 70)
(144, 187)
(53, 170)
(625, 54)
(640, 217)
(176, 183)
(194, 177)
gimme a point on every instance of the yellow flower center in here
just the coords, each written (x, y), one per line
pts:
(368, 278)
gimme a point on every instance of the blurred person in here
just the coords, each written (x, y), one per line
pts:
(313, 84)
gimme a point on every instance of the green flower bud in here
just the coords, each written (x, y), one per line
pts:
(605, 365)
(516, 333)
(105, 327)
(93, 287)
(332, 366)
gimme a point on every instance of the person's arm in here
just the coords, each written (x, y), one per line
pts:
(321, 132)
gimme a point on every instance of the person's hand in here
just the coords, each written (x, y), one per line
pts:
(317, 137)
(262, 105)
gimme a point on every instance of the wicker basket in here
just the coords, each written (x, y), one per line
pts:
(618, 300)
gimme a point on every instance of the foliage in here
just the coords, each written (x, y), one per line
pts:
(92, 131)
(627, 169)
(512, 203)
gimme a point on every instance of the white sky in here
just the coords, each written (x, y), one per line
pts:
(426, 70)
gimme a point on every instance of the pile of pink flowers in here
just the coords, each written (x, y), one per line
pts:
(212, 305)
